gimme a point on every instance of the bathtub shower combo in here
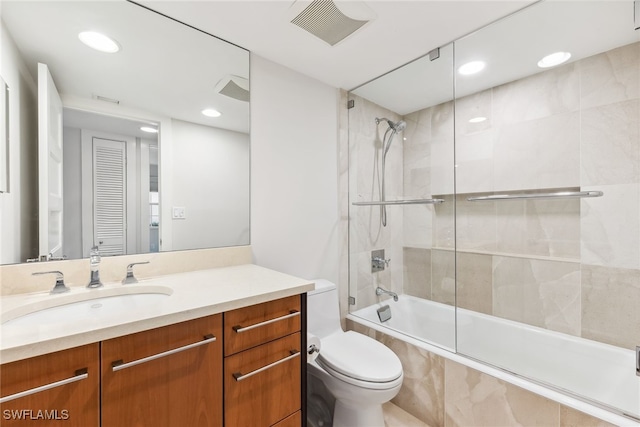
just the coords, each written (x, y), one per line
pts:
(509, 204)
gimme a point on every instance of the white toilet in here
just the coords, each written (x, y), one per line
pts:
(359, 371)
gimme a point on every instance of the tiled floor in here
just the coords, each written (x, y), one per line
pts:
(396, 417)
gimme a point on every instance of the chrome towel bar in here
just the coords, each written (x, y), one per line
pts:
(520, 196)
(80, 374)
(401, 202)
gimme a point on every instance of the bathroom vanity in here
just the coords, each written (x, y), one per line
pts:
(225, 348)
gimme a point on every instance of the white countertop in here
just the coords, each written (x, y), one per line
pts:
(194, 294)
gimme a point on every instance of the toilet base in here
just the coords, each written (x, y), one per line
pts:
(348, 414)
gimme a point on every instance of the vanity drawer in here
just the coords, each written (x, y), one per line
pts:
(168, 376)
(257, 324)
(294, 420)
(61, 388)
(262, 385)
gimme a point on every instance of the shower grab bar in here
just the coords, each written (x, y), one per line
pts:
(559, 195)
(292, 355)
(119, 365)
(401, 202)
(80, 374)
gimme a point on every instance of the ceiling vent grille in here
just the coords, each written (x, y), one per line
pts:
(234, 87)
(323, 19)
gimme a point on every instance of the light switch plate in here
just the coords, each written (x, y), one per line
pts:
(179, 212)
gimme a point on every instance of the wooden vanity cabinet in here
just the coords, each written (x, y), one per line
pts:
(173, 375)
(169, 376)
(264, 364)
(73, 399)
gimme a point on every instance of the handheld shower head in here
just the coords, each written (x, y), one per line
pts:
(398, 126)
(394, 128)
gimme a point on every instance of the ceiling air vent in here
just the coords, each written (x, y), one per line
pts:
(325, 20)
(234, 87)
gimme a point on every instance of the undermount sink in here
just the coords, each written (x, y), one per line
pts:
(84, 306)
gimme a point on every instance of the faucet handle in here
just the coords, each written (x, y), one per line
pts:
(59, 287)
(130, 278)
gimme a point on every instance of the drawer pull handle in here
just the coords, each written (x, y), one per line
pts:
(80, 374)
(239, 328)
(119, 365)
(239, 377)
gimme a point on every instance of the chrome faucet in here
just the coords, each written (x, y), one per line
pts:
(59, 287)
(380, 291)
(94, 261)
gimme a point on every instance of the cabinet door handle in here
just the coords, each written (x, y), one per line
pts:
(239, 328)
(119, 365)
(239, 377)
(80, 374)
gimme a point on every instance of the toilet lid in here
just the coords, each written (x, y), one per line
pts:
(358, 356)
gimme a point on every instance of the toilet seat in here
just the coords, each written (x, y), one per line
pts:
(360, 360)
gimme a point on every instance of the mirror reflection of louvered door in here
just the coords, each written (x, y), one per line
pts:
(109, 196)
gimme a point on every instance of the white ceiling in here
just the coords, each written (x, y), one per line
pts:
(401, 32)
(583, 28)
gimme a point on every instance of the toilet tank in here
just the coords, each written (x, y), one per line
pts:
(323, 310)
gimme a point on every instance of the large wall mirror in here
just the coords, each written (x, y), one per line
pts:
(139, 150)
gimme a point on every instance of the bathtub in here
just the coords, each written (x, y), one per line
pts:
(579, 369)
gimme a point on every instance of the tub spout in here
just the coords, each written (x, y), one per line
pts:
(380, 291)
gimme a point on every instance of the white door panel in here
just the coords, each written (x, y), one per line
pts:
(49, 165)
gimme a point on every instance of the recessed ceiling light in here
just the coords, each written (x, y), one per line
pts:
(148, 129)
(210, 112)
(479, 119)
(99, 41)
(471, 68)
(554, 59)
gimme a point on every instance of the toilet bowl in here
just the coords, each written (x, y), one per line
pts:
(360, 372)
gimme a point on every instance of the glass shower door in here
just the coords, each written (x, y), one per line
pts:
(548, 198)
(401, 200)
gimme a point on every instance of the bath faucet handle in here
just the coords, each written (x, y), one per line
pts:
(59, 287)
(380, 262)
(130, 278)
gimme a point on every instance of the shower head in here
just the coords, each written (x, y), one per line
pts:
(400, 126)
(395, 126)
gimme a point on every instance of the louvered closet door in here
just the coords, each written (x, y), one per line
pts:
(109, 196)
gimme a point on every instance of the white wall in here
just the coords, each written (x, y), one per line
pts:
(18, 208)
(294, 172)
(211, 181)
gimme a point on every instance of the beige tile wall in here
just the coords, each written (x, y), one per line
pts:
(366, 231)
(575, 127)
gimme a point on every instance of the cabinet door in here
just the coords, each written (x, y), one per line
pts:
(169, 376)
(73, 398)
(262, 384)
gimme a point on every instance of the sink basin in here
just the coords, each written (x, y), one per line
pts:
(85, 306)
